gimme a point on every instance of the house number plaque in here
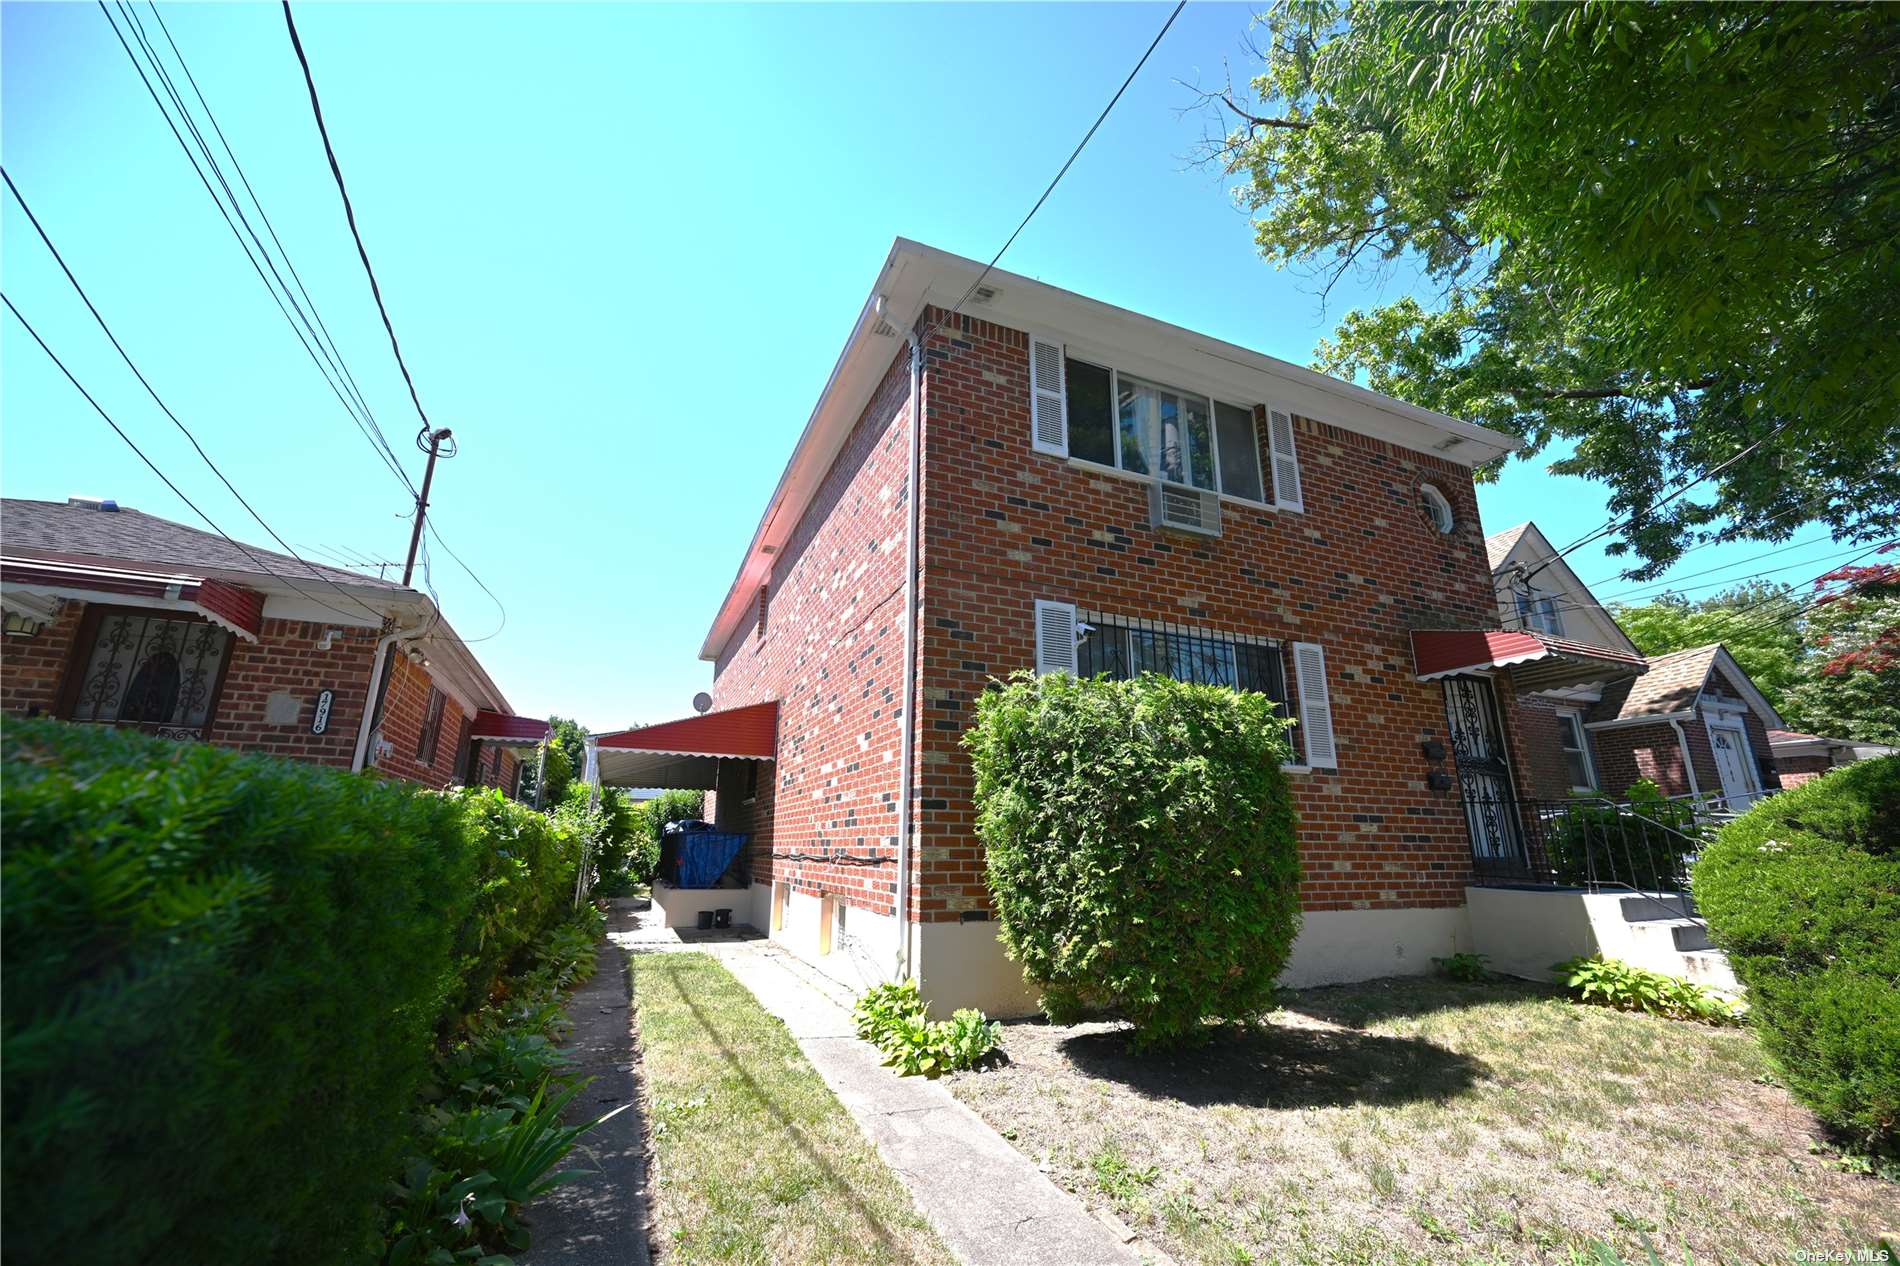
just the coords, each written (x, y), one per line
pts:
(320, 719)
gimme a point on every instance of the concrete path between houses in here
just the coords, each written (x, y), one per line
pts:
(601, 1219)
(986, 1200)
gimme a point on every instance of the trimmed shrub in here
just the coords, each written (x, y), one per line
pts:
(1803, 892)
(1140, 840)
(224, 977)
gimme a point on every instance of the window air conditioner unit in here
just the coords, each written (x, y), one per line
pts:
(1184, 509)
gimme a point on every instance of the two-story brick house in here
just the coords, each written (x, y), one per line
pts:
(116, 617)
(1693, 723)
(1097, 491)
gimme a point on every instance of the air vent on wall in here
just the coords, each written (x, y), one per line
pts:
(1184, 509)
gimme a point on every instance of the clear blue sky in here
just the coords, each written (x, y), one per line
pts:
(622, 246)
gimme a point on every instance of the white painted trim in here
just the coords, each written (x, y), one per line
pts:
(1657, 718)
(1688, 757)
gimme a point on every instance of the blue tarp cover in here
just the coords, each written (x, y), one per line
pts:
(704, 856)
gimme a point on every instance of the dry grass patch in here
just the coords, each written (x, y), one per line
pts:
(1421, 1120)
(755, 1160)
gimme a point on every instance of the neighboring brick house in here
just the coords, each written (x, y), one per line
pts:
(118, 617)
(1799, 757)
(1693, 723)
(1100, 492)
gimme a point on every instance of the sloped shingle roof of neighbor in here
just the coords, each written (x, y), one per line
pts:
(1498, 546)
(1671, 685)
(74, 533)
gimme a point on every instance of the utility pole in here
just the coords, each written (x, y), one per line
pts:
(434, 441)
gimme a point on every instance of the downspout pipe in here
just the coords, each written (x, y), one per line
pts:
(379, 668)
(1688, 758)
(907, 741)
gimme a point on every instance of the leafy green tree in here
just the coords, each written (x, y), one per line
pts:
(1752, 621)
(1666, 235)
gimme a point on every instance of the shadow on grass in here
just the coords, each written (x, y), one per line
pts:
(1276, 1066)
(1409, 997)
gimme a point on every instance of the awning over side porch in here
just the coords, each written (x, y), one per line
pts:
(686, 753)
(1536, 662)
(503, 729)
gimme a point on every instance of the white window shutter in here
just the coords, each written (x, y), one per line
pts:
(1055, 637)
(1316, 709)
(1048, 400)
(1286, 462)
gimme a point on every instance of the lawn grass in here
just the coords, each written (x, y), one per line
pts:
(1421, 1120)
(755, 1159)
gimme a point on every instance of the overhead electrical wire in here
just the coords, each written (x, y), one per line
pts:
(1073, 155)
(1569, 604)
(370, 432)
(167, 410)
(153, 466)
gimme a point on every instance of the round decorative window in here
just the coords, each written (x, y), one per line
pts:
(1437, 509)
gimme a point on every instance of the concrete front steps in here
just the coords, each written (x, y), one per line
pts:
(1673, 938)
(1523, 930)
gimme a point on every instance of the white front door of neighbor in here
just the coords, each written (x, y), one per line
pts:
(1731, 760)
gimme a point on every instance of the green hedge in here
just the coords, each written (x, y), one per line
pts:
(1803, 892)
(1140, 839)
(224, 976)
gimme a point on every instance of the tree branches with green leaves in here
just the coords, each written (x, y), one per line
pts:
(1664, 236)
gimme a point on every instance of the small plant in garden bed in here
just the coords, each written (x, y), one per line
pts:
(1610, 983)
(892, 1018)
(1465, 967)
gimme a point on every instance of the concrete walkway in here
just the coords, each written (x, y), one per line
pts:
(987, 1202)
(599, 1220)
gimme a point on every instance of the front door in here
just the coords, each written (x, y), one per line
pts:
(1484, 777)
(1731, 761)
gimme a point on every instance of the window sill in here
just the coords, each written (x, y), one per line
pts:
(1309, 769)
(1099, 468)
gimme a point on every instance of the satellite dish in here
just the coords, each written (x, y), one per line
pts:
(702, 701)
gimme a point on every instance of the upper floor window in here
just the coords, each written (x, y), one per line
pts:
(1099, 414)
(1540, 612)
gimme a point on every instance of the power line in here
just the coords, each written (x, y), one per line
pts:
(1567, 604)
(349, 213)
(1075, 154)
(156, 399)
(376, 443)
(322, 330)
(150, 464)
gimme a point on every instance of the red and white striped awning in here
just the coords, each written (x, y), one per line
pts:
(231, 606)
(1536, 662)
(502, 729)
(687, 752)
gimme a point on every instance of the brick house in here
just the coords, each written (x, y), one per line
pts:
(118, 617)
(1099, 492)
(1693, 722)
(1799, 757)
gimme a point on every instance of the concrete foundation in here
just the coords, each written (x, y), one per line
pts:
(1525, 930)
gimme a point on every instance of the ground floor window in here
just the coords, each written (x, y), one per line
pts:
(157, 671)
(1576, 752)
(1123, 648)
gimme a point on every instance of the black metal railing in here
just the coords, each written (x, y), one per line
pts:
(1647, 846)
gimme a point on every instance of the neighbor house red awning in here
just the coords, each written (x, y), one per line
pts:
(503, 730)
(236, 608)
(1537, 662)
(686, 753)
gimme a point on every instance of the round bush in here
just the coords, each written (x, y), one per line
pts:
(1803, 892)
(1140, 842)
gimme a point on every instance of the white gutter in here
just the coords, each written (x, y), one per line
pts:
(914, 497)
(1688, 759)
(375, 685)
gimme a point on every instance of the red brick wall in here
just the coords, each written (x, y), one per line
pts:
(1356, 572)
(1795, 770)
(285, 659)
(404, 710)
(32, 668)
(1630, 752)
(1545, 774)
(831, 652)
